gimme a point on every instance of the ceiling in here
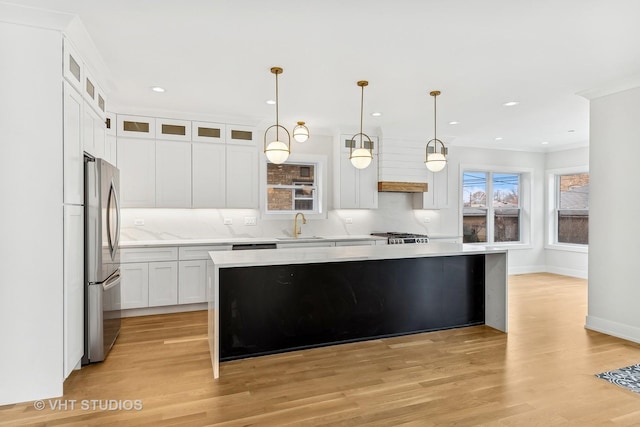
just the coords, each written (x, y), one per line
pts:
(213, 58)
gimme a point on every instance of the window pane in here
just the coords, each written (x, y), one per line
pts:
(505, 190)
(279, 199)
(474, 217)
(573, 209)
(288, 174)
(573, 226)
(506, 225)
(574, 191)
(474, 225)
(474, 189)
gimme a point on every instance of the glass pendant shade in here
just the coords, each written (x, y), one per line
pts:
(277, 152)
(361, 158)
(301, 132)
(436, 162)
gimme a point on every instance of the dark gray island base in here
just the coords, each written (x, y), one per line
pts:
(271, 301)
(270, 309)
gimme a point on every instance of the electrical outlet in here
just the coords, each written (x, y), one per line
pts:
(138, 222)
(250, 220)
(228, 221)
(427, 219)
(348, 220)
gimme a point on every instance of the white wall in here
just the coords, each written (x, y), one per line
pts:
(31, 227)
(614, 290)
(564, 260)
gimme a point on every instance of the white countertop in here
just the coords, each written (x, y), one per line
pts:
(344, 253)
(240, 240)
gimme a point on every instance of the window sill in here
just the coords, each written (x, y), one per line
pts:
(515, 245)
(568, 248)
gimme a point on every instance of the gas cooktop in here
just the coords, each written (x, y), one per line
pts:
(394, 238)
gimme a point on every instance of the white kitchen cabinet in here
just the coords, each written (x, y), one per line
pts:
(437, 196)
(73, 288)
(173, 174)
(208, 169)
(73, 192)
(111, 150)
(242, 177)
(163, 283)
(208, 132)
(135, 126)
(355, 188)
(241, 135)
(137, 164)
(73, 67)
(134, 286)
(173, 130)
(95, 132)
(192, 282)
(192, 271)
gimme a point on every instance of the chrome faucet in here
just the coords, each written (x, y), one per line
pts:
(297, 230)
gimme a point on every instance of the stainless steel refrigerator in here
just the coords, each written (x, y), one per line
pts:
(102, 258)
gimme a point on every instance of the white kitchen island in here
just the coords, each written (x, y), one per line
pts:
(269, 301)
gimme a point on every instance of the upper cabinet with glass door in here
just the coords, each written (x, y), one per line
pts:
(73, 67)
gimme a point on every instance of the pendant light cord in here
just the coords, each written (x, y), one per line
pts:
(277, 111)
(361, 114)
(435, 122)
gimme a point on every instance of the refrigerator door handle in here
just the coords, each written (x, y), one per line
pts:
(113, 240)
(111, 282)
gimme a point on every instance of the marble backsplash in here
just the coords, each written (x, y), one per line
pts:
(395, 213)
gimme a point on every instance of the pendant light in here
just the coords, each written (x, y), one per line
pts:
(435, 158)
(277, 151)
(361, 157)
(301, 132)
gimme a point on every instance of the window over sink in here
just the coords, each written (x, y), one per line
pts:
(294, 186)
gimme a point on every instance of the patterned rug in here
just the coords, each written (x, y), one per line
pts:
(628, 377)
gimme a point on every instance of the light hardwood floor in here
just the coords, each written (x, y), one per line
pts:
(540, 374)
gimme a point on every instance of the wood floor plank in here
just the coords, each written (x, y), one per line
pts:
(540, 374)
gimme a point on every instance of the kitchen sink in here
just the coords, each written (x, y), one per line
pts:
(300, 238)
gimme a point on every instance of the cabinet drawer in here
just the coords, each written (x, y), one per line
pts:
(288, 245)
(357, 243)
(148, 254)
(199, 252)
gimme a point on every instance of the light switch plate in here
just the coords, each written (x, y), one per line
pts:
(348, 220)
(138, 221)
(228, 221)
(250, 220)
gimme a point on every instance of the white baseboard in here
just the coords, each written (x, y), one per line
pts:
(526, 269)
(573, 272)
(609, 327)
(163, 310)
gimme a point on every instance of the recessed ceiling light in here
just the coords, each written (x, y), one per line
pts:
(376, 114)
(453, 123)
(545, 142)
(270, 102)
(499, 138)
(511, 103)
(571, 130)
(157, 89)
